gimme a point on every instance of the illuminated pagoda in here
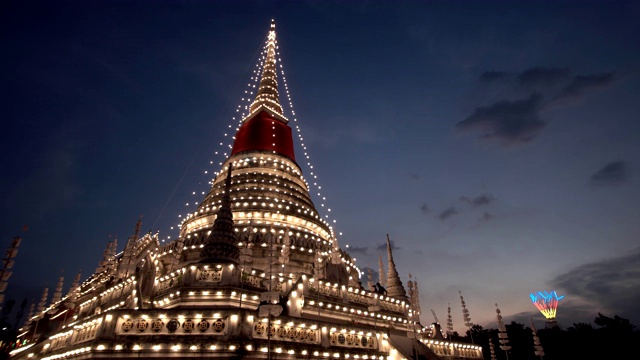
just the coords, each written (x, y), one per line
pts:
(255, 273)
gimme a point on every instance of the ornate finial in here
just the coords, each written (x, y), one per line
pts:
(73, 291)
(416, 300)
(382, 279)
(43, 300)
(537, 346)
(465, 312)
(449, 321)
(502, 332)
(57, 294)
(267, 94)
(222, 242)
(138, 224)
(32, 310)
(5, 272)
(394, 286)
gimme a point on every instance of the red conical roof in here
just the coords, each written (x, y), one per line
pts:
(265, 128)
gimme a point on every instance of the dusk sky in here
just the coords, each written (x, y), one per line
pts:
(497, 143)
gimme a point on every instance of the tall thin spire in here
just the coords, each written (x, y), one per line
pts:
(502, 332)
(394, 287)
(449, 321)
(414, 310)
(416, 290)
(382, 278)
(5, 272)
(138, 224)
(537, 346)
(465, 316)
(43, 300)
(266, 128)
(75, 286)
(222, 243)
(267, 94)
(57, 293)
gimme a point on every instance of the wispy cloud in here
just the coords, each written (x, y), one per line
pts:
(480, 200)
(515, 121)
(486, 217)
(614, 173)
(424, 208)
(543, 77)
(510, 122)
(581, 85)
(448, 213)
(363, 250)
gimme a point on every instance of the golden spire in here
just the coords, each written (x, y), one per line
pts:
(394, 286)
(267, 94)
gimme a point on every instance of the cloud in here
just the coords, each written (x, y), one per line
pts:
(613, 173)
(358, 250)
(480, 200)
(448, 213)
(514, 121)
(543, 77)
(581, 85)
(486, 217)
(493, 76)
(511, 122)
(425, 209)
(613, 285)
(383, 246)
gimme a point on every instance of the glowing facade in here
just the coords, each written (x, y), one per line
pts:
(255, 273)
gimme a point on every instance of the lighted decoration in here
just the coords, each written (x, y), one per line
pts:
(537, 346)
(492, 350)
(546, 302)
(502, 333)
(449, 321)
(465, 312)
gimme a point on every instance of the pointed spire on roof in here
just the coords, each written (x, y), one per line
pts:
(382, 279)
(222, 242)
(267, 94)
(43, 300)
(75, 286)
(57, 294)
(138, 224)
(449, 321)
(394, 286)
(415, 299)
(465, 312)
(32, 310)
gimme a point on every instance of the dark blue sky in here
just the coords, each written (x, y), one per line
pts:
(497, 143)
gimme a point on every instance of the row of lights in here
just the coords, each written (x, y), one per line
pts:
(178, 347)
